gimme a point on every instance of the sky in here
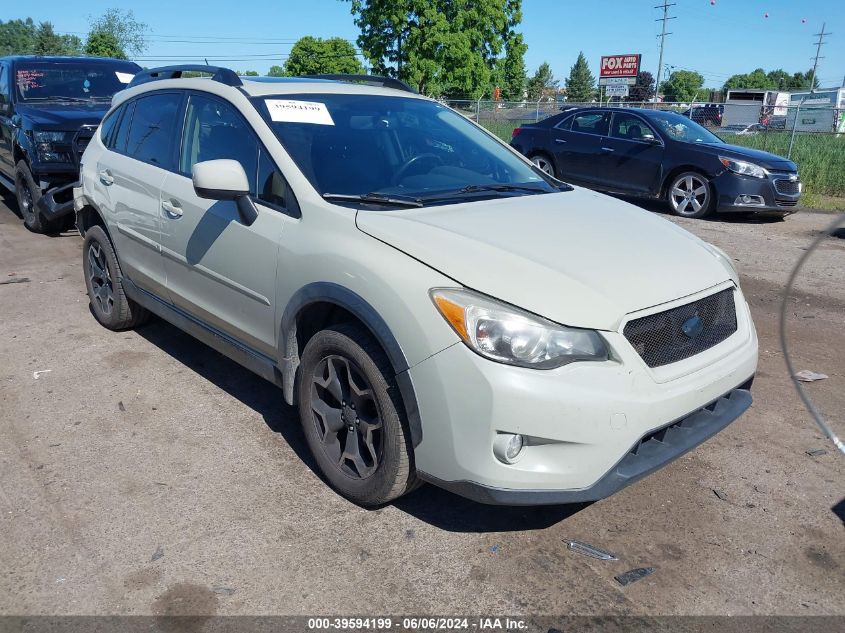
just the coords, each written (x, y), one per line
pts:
(717, 38)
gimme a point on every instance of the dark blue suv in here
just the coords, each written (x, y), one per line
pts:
(659, 154)
(49, 110)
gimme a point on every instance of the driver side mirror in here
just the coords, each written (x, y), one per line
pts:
(650, 138)
(225, 179)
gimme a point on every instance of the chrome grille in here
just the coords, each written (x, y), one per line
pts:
(787, 187)
(660, 339)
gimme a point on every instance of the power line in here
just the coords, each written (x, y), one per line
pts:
(818, 50)
(665, 6)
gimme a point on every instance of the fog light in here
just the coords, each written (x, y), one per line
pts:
(749, 201)
(507, 447)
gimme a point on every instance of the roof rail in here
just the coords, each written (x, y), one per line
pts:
(218, 73)
(370, 80)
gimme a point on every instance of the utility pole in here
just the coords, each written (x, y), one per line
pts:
(816, 61)
(665, 6)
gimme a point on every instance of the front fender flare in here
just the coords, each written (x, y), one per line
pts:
(328, 292)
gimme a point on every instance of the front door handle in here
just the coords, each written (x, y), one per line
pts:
(607, 150)
(106, 177)
(172, 208)
(559, 140)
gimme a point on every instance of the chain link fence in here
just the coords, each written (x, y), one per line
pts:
(808, 129)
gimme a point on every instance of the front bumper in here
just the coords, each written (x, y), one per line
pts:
(778, 192)
(649, 454)
(57, 202)
(580, 421)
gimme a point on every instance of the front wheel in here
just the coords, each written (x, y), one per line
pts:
(690, 195)
(353, 417)
(28, 194)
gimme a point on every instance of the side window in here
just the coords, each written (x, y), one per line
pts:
(5, 91)
(591, 123)
(215, 130)
(565, 124)
(154, 128)
(630, 127)
(121, 135)
(108, 125)
(272, 187)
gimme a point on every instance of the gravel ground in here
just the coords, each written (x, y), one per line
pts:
(143, 473)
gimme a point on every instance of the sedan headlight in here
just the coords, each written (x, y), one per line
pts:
(509, 335)
(743, 168)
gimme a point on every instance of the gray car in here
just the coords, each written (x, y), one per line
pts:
(437, 307)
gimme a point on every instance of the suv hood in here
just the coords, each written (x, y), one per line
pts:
(578, 258)
(766, 160)
(63, 116)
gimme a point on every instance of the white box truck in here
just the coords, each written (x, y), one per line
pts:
(746, 107)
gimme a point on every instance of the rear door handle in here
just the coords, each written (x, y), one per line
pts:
(172, 208)
(560, 140)
(106, 177)
(607, 150)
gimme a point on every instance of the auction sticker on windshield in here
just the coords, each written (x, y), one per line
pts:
(123, 78)
(289, 111)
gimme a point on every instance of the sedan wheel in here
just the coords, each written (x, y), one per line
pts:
(544, 164)
(689, 195)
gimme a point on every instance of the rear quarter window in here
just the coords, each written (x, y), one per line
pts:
(108, 125)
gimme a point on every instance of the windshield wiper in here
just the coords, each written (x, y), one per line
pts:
(373, 198)
(502, 187)
(445, 195)
(57, 98)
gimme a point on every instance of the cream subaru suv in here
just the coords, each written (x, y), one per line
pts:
(439, 309)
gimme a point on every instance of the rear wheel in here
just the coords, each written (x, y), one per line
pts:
(690, 195)
(353, 417)
(104, 281)
(544, 163)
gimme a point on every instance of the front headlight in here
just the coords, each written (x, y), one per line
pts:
(509, 335)
(743, 168)
(45, 141)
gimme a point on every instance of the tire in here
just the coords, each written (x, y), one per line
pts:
(543, 163)
(690, 195)
(104, 281)
(365, 454)
(28, 194)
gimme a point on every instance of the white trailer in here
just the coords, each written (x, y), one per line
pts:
(746, 107)
(817, 111)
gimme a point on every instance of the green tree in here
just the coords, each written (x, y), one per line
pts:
(48, 42)
(439, 46)
(122, 25)
(103, 44)
(682, 86)
(513, 68)
(643, 90)
(777, 79)
(542, 82)
(580, 85)
(276, 71)
(17, 37)
(315, 56)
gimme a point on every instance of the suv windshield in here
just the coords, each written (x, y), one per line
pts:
(70, 81)
(373, 146)
(680, 128)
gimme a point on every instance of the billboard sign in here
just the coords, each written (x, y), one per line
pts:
(621, 69)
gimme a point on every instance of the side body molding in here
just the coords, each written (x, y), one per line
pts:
(328, 292)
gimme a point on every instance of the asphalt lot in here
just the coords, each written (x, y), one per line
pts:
(143, 473)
